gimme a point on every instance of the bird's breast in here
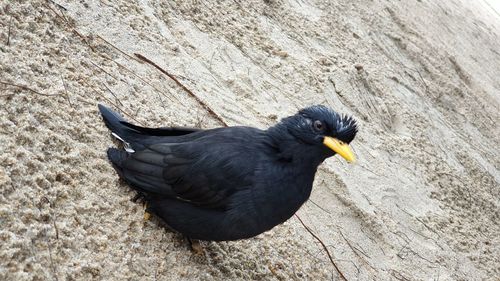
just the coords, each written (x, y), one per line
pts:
(274, 196)
(277, 199)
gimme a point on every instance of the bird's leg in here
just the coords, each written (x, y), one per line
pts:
(147, 215)
(137, 197)
(195, 246)
(140, 196)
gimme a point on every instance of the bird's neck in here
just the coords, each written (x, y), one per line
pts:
(289, 149)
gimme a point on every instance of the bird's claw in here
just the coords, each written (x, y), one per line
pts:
(196, 247)
(147, 215)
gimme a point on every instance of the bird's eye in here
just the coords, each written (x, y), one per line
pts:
(318, 125)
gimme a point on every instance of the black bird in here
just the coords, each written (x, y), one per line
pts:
(228, 183)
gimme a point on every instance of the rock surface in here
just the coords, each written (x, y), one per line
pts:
(422, 77)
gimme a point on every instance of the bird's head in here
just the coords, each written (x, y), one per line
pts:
(325, 129)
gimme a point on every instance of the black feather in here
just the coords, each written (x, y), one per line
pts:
(225, 183)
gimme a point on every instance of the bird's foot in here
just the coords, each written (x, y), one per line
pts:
(196, 247)
(138, 197)
(147, 215)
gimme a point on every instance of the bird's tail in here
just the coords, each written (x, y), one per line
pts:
(136, 137)
(111, 119)
(119, 127)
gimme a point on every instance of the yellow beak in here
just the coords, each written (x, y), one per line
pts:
(340, 148)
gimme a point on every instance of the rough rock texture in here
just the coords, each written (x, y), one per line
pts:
(421, 77)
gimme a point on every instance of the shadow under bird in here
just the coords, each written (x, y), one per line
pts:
(228, 183)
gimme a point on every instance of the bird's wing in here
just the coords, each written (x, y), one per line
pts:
(204, 171)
